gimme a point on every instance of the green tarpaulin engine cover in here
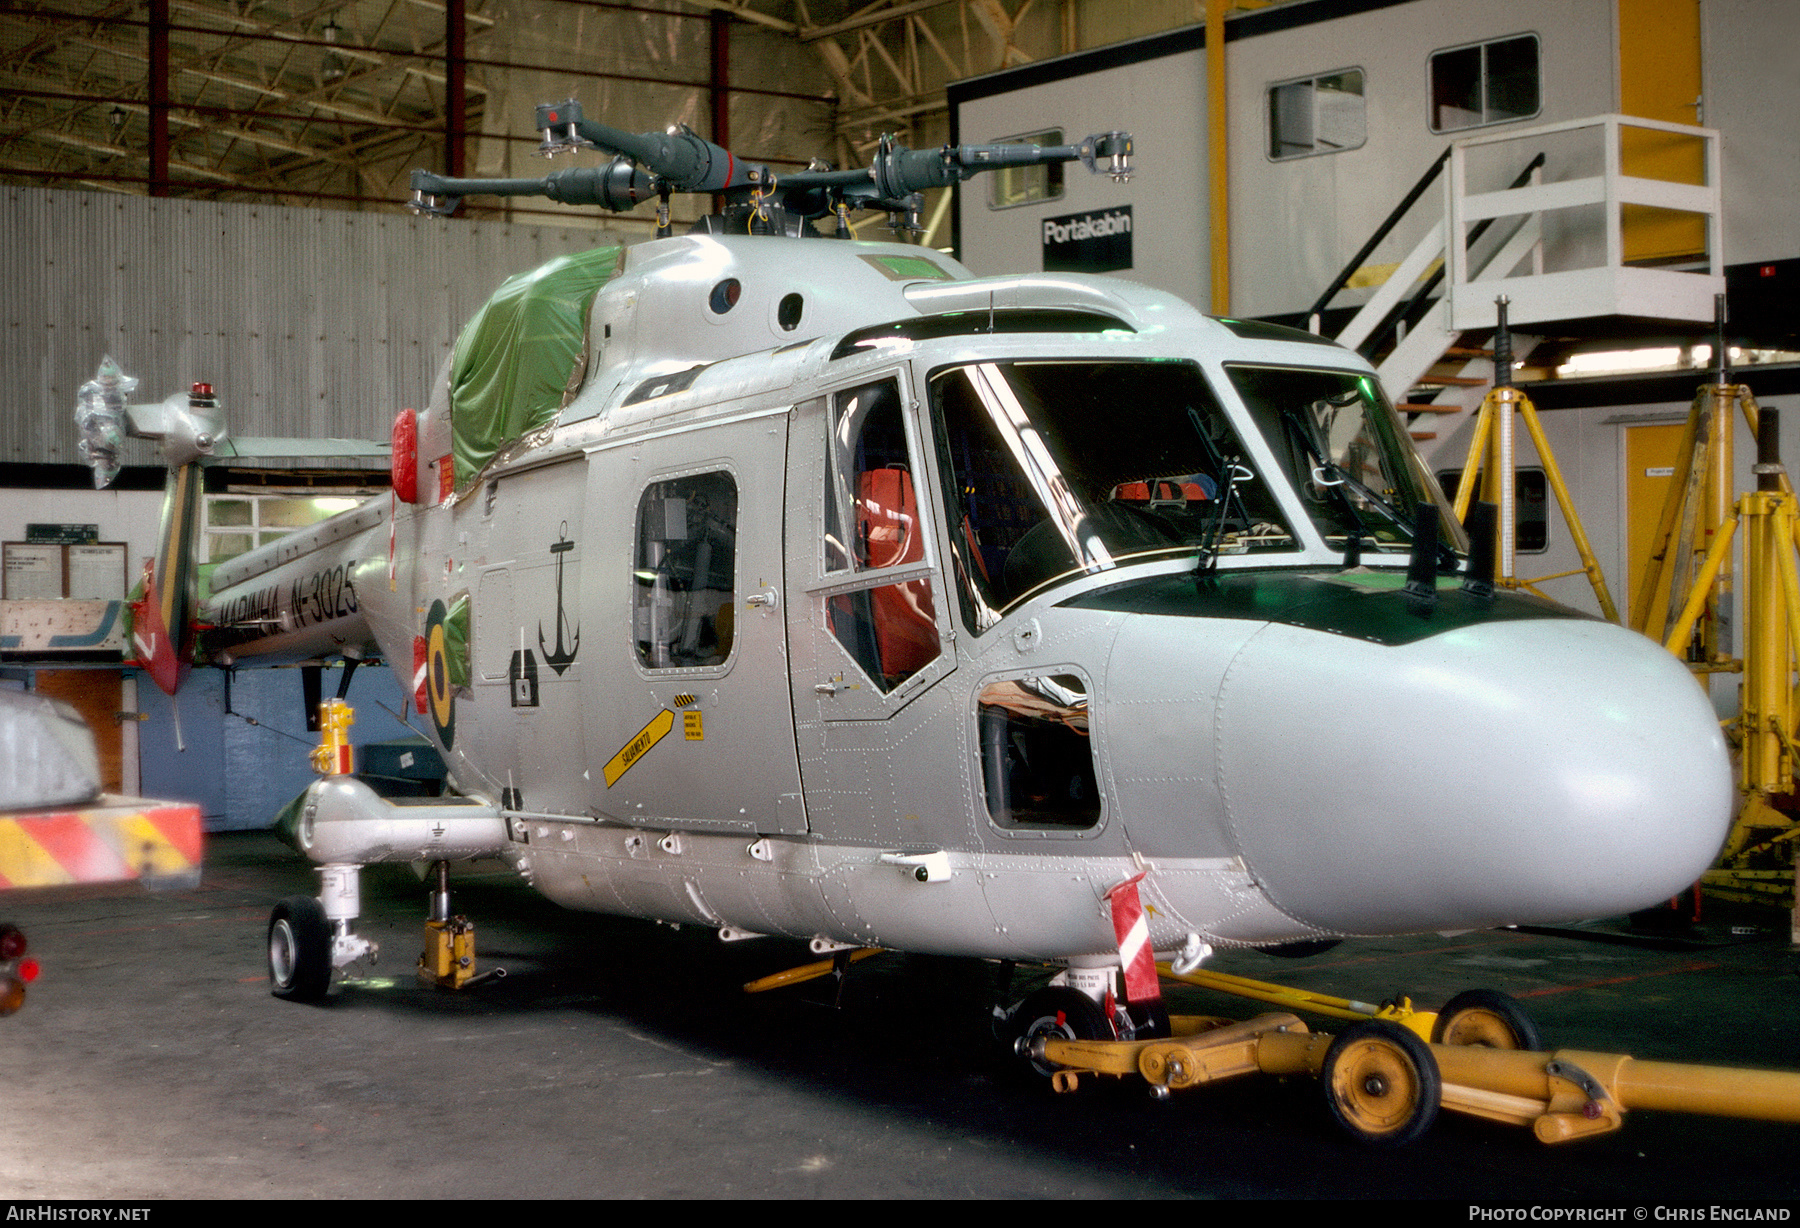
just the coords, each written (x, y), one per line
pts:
(523, 356)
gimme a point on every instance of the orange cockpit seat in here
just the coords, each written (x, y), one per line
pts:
(887, 521)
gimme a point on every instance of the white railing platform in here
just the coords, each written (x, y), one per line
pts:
(1559, 242)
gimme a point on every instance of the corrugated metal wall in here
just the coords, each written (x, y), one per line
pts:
(308, 322)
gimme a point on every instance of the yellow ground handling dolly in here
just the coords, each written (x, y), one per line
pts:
(1387, 1075)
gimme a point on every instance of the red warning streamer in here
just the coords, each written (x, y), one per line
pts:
(1132, 929)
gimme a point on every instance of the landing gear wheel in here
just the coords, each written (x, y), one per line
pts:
(1067, 1014)
(1381, 1083)
(299, 950)
(1487, 1018)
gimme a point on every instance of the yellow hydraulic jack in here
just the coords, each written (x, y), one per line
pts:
(1385, 1084)
(1699, 522)
(448, 960)
(334, 756)
(1492, 454)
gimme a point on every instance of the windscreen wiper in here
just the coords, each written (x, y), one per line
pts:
(1208, 544)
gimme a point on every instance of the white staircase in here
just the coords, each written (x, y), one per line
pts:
(1581, 274)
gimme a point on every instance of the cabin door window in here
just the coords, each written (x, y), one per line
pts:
(874, 531)
(683, 572)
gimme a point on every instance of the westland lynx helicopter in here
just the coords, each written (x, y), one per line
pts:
(790, 585)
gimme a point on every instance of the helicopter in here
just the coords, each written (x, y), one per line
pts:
(785, 583)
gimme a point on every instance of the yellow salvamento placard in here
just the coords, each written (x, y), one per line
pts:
(632, 751)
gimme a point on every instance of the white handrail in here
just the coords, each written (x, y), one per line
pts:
(1612, 287)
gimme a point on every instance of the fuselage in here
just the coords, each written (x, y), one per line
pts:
(848, 597)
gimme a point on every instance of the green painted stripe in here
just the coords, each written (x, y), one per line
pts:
(1368, 606)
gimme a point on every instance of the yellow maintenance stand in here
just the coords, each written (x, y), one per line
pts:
(1492, 455)
(1700, 523)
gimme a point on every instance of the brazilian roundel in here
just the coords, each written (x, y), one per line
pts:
(440, 696)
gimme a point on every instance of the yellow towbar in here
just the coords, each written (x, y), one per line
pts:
(1400, 1011)
(1385, 1085)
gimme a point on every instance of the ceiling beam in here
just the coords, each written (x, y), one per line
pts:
(744, 12)
(869, 17)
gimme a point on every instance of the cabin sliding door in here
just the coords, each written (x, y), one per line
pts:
(692, 725)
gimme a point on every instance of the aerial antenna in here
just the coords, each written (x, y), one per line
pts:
(1478, 581)
(1422, 566)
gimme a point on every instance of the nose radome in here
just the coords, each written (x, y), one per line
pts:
(1501, 773)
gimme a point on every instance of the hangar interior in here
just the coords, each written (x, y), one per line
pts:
(214, 192)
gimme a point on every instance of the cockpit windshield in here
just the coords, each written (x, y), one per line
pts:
(1342, 447)
(1055, 469)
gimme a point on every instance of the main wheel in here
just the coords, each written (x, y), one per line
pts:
(1056, 1011)
(299, 950)
(1487, 1018)
(1381, 1083)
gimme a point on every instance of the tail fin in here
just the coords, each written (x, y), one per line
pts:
(188, 426)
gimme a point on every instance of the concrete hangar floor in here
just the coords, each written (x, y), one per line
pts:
(620, 1059)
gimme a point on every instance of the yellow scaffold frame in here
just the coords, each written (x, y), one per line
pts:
(1492, 455)
(1699, 520)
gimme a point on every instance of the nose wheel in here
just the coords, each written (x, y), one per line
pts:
(1056, 1011)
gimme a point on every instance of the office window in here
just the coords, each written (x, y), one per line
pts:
(1324, 114)
(1489, 83)
(238, 523)
(1531, 506)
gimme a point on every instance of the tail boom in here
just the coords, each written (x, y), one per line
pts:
(301, 598)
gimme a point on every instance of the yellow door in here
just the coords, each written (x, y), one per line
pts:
(1649, 473)
(1659, 78)
(95, 694)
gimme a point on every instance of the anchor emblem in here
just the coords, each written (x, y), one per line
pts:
(560, 659)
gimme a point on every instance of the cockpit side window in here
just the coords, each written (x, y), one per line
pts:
(873, 523)
(869, 460)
